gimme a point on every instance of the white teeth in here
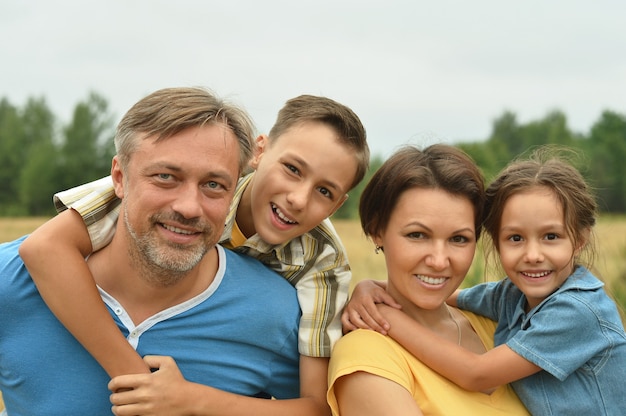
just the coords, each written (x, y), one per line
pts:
(282, 216)
(542, 274)
(177, 230)
(431, 280)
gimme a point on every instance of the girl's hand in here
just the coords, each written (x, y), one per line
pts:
(361, 311)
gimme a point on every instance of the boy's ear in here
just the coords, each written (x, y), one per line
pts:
(339, 204)
(261, 143)
(117, 175)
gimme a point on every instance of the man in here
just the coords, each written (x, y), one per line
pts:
(226, 320)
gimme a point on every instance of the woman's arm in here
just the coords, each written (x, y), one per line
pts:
(474, 372)
(54, 254)
(365, 394)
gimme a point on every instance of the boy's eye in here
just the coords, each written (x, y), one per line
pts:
(292, 168)
(326, 193)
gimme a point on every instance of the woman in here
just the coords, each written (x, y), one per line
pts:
(423, 210)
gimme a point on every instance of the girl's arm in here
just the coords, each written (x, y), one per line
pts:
(452, 300)
(54, 254)
(471, 371)
(361, 311)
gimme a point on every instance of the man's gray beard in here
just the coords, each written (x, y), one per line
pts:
(159, 264)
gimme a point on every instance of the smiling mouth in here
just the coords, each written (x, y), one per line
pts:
(177, 230)
(282, 216)
(431, 280)
(536, 275)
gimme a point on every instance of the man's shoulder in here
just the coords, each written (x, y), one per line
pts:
(10, 249)
(252, 269)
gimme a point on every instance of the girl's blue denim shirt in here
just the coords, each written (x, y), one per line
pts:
(575, 335)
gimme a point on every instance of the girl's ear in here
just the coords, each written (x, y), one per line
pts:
(584, 239)
(261, 143)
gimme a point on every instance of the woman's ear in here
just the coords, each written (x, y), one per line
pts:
(261, 143)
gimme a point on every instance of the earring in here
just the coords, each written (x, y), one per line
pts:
(378, 249)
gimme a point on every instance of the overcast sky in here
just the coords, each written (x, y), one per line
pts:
(415, 71)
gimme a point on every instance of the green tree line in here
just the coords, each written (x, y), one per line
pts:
(39, 156)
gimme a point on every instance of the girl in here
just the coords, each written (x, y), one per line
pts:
(560, 340)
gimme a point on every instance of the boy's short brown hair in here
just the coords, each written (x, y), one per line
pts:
(341, 118)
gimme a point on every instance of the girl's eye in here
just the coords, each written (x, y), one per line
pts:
(515, 238)
(551, 236)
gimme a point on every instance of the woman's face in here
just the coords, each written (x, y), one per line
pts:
(429, 245)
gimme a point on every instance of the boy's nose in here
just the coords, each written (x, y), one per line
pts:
(298, 198)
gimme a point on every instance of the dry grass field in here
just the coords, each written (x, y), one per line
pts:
(610, 231)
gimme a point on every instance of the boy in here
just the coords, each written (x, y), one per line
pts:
(314, 154)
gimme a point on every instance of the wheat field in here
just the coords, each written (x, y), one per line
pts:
(610, 233)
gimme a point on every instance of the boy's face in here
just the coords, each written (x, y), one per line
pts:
(301, 178)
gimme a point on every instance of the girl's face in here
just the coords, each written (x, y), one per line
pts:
(535, 249)
(429, 245)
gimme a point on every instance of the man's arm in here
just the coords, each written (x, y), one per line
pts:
(166, 393)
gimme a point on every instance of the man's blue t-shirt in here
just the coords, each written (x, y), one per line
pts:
(240, 335)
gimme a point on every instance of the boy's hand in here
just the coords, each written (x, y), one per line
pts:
(149, 394)
(361, 311)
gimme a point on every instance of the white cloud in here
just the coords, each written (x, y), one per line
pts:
(413, 70)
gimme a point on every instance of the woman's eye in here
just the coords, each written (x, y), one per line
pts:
(416, 235)
(459, 239)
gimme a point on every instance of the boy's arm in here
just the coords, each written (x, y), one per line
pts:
(471, 371)
(54, 254)
(361, 311)
(165, 392)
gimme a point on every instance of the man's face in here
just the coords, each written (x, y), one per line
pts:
(176, 195)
